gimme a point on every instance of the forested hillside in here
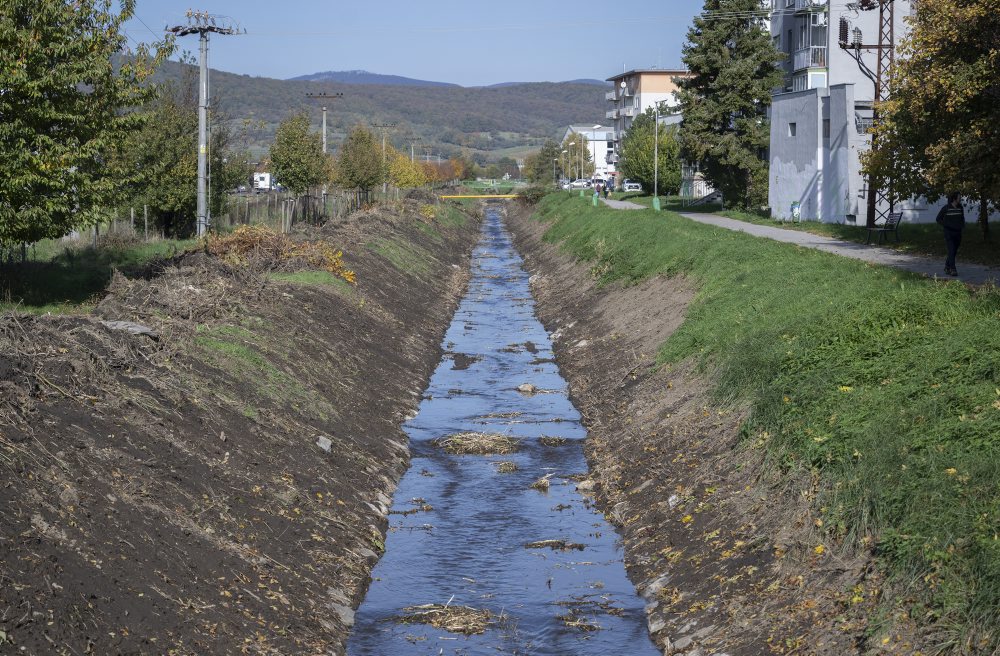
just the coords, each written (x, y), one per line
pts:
(445, 120)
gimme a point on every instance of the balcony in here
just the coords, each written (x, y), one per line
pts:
(806, 5)
(811, 57)
(610, 95)
(630, 112)
(613, 114)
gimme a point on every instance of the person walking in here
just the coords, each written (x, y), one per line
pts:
(952, 220)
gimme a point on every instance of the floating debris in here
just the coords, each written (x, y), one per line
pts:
(500, 415)
(506, 467)
(555, 545)
(542, 484)
(547, 440)
(455, 619)
(527, 389)
(478, 443)
(574, 620)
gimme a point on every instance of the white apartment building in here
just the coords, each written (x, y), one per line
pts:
(600, 143)
(821, 117)
(635, 91)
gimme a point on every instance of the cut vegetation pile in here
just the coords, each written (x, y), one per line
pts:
(223, 487)
(455, 619)
(819, 435)
(472, 443)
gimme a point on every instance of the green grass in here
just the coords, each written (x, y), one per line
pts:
(883, 383)
(671, 203)
(314, 277)
(917, 238)
(61, 278)
(403, 255)
(451, 216)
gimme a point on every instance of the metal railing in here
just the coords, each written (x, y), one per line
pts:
(811, 57)
(610, 95)
(809, 4)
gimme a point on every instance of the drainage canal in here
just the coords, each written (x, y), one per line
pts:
(498, 553)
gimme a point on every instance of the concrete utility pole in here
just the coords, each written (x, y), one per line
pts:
(201, 23)
(850, 40)
(384, 128)
(324, 96)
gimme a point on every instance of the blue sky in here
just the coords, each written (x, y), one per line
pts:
(467, 43)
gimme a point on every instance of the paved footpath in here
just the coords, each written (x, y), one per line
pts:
(975, 274)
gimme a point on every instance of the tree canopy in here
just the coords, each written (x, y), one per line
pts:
(297, 155)
(360, 163)
(638, 147)
(65, 92)
(734, 68)
(939, 130)
(541, 165)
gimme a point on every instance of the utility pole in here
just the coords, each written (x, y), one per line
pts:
(201, 23)
(384, 128)
(850, 40)
(324, 96)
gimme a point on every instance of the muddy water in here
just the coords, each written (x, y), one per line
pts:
(460, 528)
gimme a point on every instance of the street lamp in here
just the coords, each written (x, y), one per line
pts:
(594, 141)
(570, 158)
(554, 180)
(563, 162)
(656, 156)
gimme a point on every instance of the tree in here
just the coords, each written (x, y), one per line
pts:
(297, 155)
(164, 155)
(65, 92)
(939, 130)
(638, 147)
(403, 172)
(360, 161)
(734, 68)
(539, 166)
(577, 153)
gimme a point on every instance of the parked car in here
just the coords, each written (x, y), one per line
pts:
(631, 185)
(580, 184)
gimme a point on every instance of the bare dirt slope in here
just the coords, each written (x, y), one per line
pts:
(725, 553)
(221, 487)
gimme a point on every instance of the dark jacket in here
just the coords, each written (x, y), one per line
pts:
(952, 217)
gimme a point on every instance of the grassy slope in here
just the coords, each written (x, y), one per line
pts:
(66, 276)
(882, 382)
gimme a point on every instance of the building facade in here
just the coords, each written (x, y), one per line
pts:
(600, 144)
(635, 91)
(821, 116)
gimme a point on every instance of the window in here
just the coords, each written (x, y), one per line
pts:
(791, 129)
(826, 128)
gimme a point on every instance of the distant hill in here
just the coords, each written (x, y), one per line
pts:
(364, 77)
(484, 122)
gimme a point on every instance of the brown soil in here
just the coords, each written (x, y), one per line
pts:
(725, 553)
(223, 488)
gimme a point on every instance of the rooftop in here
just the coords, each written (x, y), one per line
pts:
(649, 71)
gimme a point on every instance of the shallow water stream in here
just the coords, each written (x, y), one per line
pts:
(461, 524)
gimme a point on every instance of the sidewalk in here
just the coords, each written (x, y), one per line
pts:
(975, 274)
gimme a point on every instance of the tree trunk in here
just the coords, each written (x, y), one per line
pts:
(984, 217)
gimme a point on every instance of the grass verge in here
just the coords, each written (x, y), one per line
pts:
(882, 383)
(315, 278)
(916, 238)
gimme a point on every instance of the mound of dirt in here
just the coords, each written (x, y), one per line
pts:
(220, 483)
(727, 557)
